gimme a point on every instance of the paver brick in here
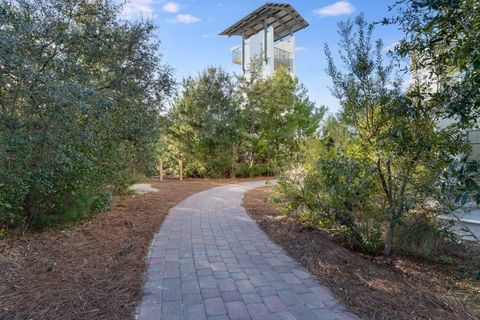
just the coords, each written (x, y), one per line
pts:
(190, 286)
(257, 280)
(171, 308)
(258, 311)
(266, 291)
(229, 296)
(236, 310)
(221, 275)
(275, 304)
(207, 282)
(249, 298)
(244, 286)
(192, 299)
(239, 276)
(195, 312)
(150, 312)
(214, 306)
(283, 316)
(226, 284)
(221, 317)
(210, 293)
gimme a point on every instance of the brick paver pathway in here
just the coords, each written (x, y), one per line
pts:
(211, 261)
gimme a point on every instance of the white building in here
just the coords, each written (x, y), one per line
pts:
(467, 220)
(433, 84)
(267, 38)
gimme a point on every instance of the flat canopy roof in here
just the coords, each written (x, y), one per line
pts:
(281, 16)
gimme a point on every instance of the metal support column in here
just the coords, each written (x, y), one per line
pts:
(265, 26)
(243, 51)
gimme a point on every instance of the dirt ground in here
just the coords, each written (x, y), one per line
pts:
(372, 287)
(93, 270)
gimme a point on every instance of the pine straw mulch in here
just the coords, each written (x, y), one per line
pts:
(93, 270)
(372, 287)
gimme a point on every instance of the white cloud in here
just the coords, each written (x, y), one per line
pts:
(338, 8)
(171, 7)
(301, 48)
(138, 8)
(185, 18)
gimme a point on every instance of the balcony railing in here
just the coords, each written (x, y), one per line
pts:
(237, 55)
(283, 57)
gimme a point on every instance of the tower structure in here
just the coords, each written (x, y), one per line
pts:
(267, 38)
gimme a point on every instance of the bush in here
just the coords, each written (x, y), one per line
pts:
(338, 193)
(423, 236)
(70, 114)
(13, 191)
(85, 204)
(255, 170)
(372, 236)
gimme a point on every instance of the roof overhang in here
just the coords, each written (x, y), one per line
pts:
(284, 19)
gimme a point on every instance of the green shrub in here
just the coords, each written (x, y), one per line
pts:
(101, 201)
(423, 236)
(445, 260)
(255, 170)
(75, 120)
(372, 237)
(13, 191)
(85, 204)
(338, 193)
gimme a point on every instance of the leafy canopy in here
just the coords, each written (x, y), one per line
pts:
(80, 92)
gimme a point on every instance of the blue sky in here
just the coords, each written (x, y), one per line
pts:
(189, 32)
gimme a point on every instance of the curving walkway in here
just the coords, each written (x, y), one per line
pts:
(211, 261)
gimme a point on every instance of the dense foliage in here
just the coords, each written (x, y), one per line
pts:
(80, 92)
(224, 126)
(391, 153)
(443, 39)
(205, 124)
(442, 42)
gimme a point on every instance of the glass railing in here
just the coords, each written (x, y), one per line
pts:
(283, 57)
(237, 55)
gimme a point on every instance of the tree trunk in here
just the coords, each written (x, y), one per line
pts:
(387, 250)
(180, 168)
(161, 170)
